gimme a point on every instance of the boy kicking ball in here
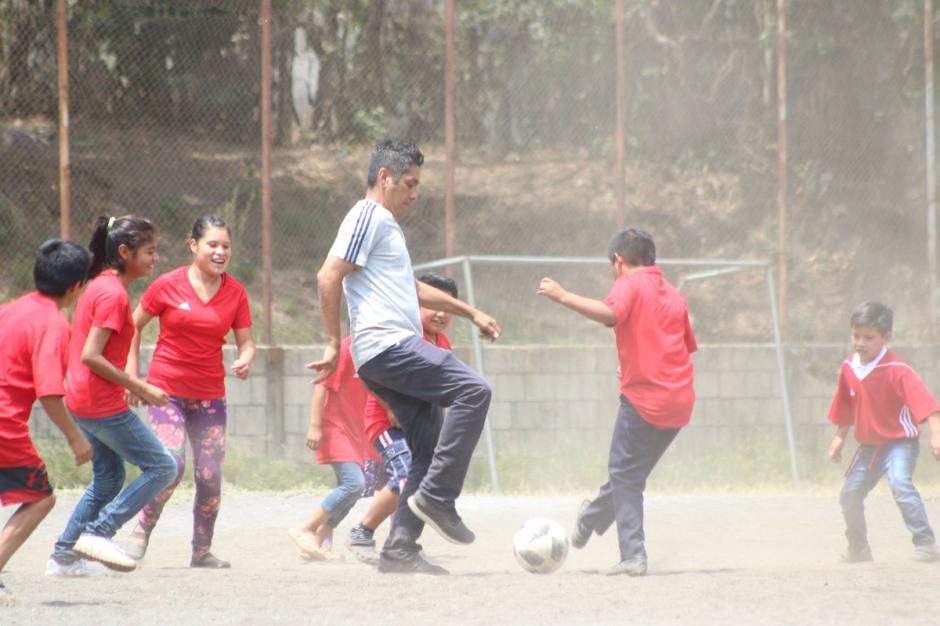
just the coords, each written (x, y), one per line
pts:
(34, 345)
(650, 319)
(884, 399)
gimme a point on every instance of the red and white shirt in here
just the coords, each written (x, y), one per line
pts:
(654, 343)
(344, 438)
(376, 417)
(34, 347)
(883, 399)
(187, 360)
(103, 304)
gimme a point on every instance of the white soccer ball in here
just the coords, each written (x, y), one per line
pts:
(540, 545)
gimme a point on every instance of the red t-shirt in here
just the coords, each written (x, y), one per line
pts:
(376, 417)
(654, 343)
(884, 399)
(103, 304)
(187, 361)
(34, 348)
(343, 436)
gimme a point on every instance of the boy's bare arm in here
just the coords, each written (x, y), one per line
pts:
(838, 442)
(315, 431)
(432, 298)
(934, 423)
(55, 409)
(588, 307)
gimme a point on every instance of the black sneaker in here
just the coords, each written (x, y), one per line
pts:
(412, 564)
(581, 533)
(442, 518)
(631, 567)
(209, 561)
(858, 555)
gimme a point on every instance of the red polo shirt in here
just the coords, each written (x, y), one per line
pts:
(654, 343)
(34, 347)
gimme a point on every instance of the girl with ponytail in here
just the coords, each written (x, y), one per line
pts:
(123, 250)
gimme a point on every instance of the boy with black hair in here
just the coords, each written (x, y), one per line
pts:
(655, 341)
(884, 399)
(34, 344)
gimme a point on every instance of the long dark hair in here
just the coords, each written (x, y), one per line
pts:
(110, 233)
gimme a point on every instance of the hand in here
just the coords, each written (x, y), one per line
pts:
(240, 368)
(153, 395)
(935, 444)
(314, 435)
(551, 289)
(132, 398)
(81, 450)
(489, 327)
(325, 365)
(835, 449)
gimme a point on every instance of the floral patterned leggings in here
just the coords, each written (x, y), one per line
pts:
(204, 422)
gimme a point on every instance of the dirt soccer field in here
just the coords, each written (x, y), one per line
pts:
(713, 560)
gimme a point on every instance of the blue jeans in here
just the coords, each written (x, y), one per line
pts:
(104, 508)
(350, 481)
(635, 448)
(896, 460)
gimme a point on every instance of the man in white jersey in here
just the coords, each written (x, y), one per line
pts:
(369, 263)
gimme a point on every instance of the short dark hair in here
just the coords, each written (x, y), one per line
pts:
(206, 221)
(634, 246)
(873, 314)
(397, 156)
(60, 264)
(439, 281)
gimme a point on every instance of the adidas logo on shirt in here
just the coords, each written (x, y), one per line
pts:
(185, 306)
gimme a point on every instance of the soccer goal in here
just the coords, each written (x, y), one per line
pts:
(695, 270)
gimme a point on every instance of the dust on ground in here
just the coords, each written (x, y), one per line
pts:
(713, 559)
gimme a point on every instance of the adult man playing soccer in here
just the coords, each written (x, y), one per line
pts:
(370, 260)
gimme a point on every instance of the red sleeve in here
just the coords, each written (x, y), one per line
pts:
(50, 359)
(110, 310)
(152, 301)
(374, 411)
(690, 344)
(840, 411)
(912, 389)
(620, 298)
(243, 313)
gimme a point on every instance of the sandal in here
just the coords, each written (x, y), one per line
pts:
(137, 542)
(210, 561)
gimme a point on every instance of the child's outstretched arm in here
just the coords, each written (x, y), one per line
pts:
(589, 308)
(315, 430)
(934, 422)
(838, 442)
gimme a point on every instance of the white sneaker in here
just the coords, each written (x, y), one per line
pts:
(76, 569)
(105, 551)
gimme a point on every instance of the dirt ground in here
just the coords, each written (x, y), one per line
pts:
(713, 560)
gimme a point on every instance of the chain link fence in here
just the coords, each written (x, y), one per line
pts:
(165, 122)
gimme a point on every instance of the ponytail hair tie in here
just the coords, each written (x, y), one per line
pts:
(111, 223)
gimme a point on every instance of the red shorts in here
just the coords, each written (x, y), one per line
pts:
(20, 485)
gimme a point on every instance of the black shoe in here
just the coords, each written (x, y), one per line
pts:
(440, 517)
(631, 567)
(581, 533)
(411, 564)
(857, 555)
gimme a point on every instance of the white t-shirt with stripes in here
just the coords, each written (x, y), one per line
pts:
(380, 292)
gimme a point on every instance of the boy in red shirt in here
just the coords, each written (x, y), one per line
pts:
(336, 434)
(34, 341)
(655, 341)
(386, 435)
(884, 399)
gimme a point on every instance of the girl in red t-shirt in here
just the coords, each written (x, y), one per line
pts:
(197, 305)
(123, 250)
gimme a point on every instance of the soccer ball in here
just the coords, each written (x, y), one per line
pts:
(540, 545)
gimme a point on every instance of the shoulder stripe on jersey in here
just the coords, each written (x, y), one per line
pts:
(359, 233)
(898, 364)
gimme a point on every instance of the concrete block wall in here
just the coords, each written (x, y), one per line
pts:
(549, 398)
